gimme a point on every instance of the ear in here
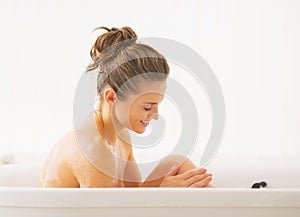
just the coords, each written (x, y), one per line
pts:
(109, 95)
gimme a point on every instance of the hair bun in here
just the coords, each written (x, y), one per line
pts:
(108, 44)
(126, 33)
(113, 37)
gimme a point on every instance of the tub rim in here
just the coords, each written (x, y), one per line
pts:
(147, 197)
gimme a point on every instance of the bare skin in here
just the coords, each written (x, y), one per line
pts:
(69, 166)
(66, 172)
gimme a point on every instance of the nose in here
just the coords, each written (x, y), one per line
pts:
(155, 115)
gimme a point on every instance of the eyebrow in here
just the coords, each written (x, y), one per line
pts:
(152, 103)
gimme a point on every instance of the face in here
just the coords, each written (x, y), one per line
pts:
(136, 111)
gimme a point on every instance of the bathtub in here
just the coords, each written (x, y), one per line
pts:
(234, 196)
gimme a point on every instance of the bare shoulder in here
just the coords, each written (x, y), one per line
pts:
(68, 165)
(90, 161)
(56, 171)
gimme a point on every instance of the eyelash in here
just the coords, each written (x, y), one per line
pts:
(147, 109)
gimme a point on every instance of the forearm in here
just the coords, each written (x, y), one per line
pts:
(132, 184)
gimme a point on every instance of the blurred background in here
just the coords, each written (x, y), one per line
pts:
(251, 45)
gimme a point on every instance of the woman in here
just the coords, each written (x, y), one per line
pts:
(131, 84)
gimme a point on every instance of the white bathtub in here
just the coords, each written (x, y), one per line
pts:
(234, 197)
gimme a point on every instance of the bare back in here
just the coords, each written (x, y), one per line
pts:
(69, 166)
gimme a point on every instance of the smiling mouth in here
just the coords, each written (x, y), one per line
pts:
(145, 123)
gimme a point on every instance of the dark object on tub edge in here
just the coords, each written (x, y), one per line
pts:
(259, 185)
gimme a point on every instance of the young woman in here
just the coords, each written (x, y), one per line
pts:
(89, 159)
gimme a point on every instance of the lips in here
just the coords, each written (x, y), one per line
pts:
(145, 123)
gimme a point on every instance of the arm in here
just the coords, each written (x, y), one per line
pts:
(132, 176)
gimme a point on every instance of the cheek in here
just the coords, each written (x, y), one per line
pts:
(121, 113)
(134, 114)
(128, 117)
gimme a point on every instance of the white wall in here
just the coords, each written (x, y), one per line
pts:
(253, 47)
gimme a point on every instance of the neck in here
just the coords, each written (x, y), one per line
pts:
(107, 128)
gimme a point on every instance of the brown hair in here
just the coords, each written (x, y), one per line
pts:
(119, 58)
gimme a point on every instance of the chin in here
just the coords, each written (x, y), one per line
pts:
(139, 131)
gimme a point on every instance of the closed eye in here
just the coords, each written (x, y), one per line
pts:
(147, 109)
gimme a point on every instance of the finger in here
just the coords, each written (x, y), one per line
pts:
(197, 178)
(209, 186)
(192, 172)
(201, 183)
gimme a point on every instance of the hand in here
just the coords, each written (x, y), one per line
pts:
(194, 178)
